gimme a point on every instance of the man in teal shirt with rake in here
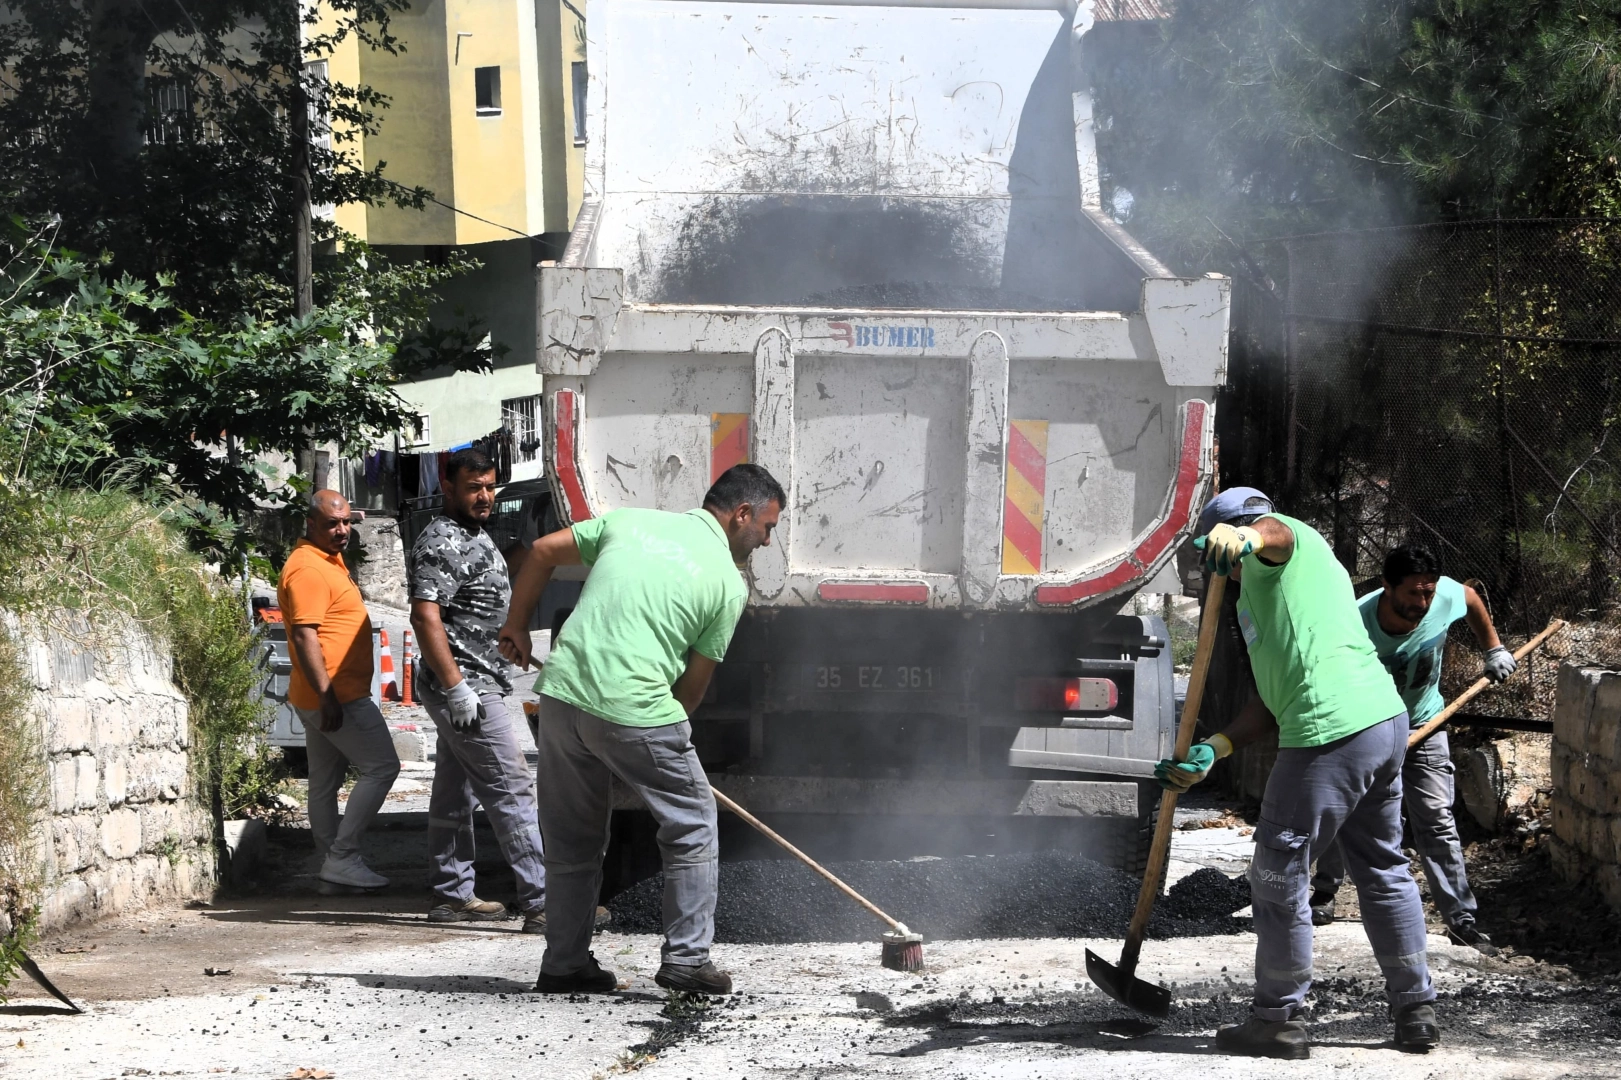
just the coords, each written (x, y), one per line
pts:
(1342, 736)
(1407, 620)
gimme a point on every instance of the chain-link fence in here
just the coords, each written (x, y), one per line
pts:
(1454, 384)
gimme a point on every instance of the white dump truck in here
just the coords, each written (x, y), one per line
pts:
(860, 244)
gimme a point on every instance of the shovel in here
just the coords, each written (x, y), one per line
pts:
(1120, 981)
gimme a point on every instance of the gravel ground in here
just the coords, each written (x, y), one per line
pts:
(1008, 896)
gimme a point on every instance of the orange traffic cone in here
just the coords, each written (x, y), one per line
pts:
(386, 678)
(408, 663)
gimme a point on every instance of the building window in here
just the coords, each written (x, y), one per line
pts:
(421, 430)
(579, 102)
(487, 90)
(518, 416)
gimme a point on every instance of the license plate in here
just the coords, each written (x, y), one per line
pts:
(875, 678)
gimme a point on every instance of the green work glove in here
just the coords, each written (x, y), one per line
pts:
(1178, 776)
(1224, 545)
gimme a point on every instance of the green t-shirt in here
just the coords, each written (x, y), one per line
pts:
(661, 584)
(1314, 665)
(1414, 658)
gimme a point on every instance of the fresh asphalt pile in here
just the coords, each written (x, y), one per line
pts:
(1042, 894)
(1504, 1012)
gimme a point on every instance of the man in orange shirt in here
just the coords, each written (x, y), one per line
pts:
(329, 634)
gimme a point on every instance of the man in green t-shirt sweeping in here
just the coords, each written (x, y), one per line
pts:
(633, 662)
(1342, 736)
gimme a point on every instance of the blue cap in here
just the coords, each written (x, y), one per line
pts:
(1233, 503)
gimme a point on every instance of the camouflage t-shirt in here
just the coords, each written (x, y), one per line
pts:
(466, 576)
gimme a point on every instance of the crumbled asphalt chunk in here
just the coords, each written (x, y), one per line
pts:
(1486, 1011)
(872, 999)
(1042, 894)
(1209, 890)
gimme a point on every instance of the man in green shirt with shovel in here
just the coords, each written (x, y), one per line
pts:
(1342, 736)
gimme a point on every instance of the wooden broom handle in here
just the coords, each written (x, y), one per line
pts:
(1161, 845)
(720, 797)
(1480, 684)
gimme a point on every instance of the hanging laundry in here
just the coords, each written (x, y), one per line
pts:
(429, 481)
(374, 469)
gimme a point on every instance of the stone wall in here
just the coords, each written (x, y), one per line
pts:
(1586, 843)
(377, 555)
(124, 826)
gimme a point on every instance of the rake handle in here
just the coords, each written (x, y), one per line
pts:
(1161, 846)
(1480, 684)
(773, 835)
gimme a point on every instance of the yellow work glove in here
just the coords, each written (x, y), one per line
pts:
(1225, 545)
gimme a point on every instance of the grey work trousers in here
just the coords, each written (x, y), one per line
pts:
(364, 742)
(483, 763)
(579, 753)
(1351, 790)
(1427, 795)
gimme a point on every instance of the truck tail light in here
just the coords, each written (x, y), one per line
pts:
(1039, 694)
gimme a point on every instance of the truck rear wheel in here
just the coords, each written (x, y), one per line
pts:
(1124, 842)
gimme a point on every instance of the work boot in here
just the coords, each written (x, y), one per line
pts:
(1266, 1038)
(534, 922)
(591, 979)
(707, 979)
(352, 872)
(1416, 1028)
(1322, 908)
(1465, 933)
(471, 910)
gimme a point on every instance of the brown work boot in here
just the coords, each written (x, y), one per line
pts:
(471, 910)
(1266, 1038)
(534, 922)
(707, 979)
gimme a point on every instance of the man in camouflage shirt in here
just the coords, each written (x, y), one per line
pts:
(459, 596)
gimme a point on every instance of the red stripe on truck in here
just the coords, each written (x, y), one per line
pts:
(872, 592)
(1187, 482)
(1165, 531)
(565, 433)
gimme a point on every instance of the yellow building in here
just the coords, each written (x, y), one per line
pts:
(487, 111)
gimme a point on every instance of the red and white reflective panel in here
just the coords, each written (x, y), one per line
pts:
(1035, 693)
(873, 592)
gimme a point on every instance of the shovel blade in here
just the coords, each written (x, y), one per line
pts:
(1125, 987)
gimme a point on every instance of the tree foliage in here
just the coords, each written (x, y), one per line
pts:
(1261, 117)
(153, 136)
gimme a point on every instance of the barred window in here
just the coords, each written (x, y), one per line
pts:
(518, 415)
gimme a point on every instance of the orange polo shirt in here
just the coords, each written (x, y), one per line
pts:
(316, 591)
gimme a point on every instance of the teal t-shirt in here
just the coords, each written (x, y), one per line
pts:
(1414, 658)
(661, 584)
(1314, 665)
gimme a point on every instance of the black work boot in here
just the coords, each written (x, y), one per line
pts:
(1322, 908)
(590, 979)
(1416, 1028)
(707, 979)
(1266, 1038)
(1466, 933)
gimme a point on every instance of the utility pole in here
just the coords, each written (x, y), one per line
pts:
(303, 274)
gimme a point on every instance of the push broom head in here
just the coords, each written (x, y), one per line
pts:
(903, 950)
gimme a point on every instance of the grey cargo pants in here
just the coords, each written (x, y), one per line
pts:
(362, 740)
(1427, 794)
(485, 764)
(1349, 789)
(578, 755)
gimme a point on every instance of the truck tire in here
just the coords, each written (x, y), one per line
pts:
(1125, 841)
